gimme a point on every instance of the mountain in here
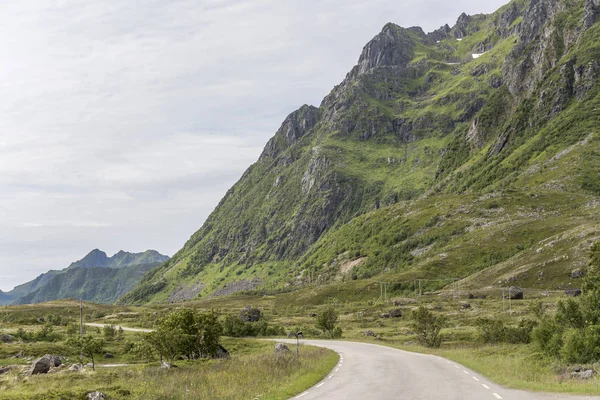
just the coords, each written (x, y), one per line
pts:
(97, 258)
(469, 153)
(95, 284)
(56, 284)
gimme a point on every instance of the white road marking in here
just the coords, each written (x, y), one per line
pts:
(300, 395)
(485, 386)
(330, 376)
(496, 395)
(457, 367)
(448, 362)
(320, 384)
(466, 372)
(476, 378)
(337, 369)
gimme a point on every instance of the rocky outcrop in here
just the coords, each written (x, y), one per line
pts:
(294, 127)
(585, 77)
(462, 29)
(590, 13)
(96, 396)
(440, 34)
(393, 47)
(507, 18)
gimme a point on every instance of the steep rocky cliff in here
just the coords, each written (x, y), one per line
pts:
(500, 103)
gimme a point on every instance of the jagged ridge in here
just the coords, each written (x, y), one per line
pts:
(467, 109)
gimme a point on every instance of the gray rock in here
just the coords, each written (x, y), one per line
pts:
(297, 125)
(281, 348)
(395, 313)
(384, 315)
(42, 365)
(516, 293)
(573, 292)
(465, 305)
(222, 353)
(369, 333)
(109, 355)
(96, 396)
(587, 374)
(590, 13)
(76, 367)
(577, 273)
(7, 339)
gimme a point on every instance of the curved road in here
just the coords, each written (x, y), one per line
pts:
(372, 372)
(369, 371)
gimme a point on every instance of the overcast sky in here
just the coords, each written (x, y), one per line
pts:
(123, 123)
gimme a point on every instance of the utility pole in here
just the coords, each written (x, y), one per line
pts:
(81, 328)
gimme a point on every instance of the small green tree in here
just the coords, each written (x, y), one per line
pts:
(327, 320)
(427, 326)
(109, 332)
(89, 346)
(186, 333)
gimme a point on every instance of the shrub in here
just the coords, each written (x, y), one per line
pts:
(491, 331)
(427, 327)
(327, 320)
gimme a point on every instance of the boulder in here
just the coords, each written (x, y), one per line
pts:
(109, 355)
(369, 333)
(96, 396)
(76, 367)
(395, 313)
(587, 374)
(384, 315)
(471, 296)
(573, 292)
(7, 339)
(250, 314)
(222, 353)
(516, 293)
(313, 315)
(465, 306)
(281, 348)
(577, 273)
(42, 365)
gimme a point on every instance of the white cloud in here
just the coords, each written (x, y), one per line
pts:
(124, 123)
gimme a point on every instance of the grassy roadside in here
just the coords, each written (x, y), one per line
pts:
(254, 371)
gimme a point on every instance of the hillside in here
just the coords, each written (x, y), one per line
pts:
(470, 153)
(94, 284)
(59, 284)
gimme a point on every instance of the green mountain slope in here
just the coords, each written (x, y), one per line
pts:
(95, 284)
(459, 153)
(37, 288)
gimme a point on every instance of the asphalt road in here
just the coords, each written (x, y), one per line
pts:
(117, 327)
(367, 371)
